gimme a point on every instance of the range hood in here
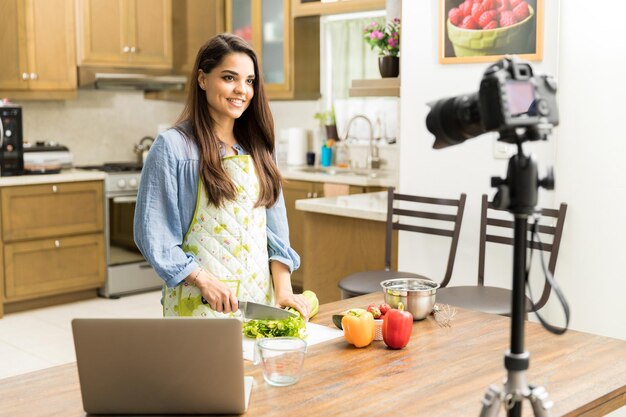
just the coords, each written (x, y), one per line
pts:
(130, 81)
(139, 82)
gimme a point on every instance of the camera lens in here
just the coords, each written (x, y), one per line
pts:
(453, 120)
(510, 101)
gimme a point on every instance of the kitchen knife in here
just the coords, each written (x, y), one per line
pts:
(256, 311)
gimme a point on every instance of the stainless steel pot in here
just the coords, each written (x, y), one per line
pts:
(416, 294)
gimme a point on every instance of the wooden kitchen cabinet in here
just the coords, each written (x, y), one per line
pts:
(193, 23)
(288, 49)
(125, 33)
(50, 266)
(337, 246)
(52, 241)
(37, 41)
(48, 210)
(297, 190)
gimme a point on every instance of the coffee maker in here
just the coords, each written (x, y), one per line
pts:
(11, 140)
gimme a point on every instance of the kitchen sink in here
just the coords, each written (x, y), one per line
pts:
(343, 171)
(325, 170)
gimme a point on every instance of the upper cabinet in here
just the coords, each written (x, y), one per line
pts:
(288, 49)
(37, 43)
(194, 23)
(125, 33)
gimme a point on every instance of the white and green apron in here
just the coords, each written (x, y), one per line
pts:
(230, 242)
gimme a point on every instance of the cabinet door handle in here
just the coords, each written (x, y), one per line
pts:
(314, 195)
(57, 243)
(308, 195)
(133, 49)
(33, 76)
(25, 76)
(55, 188)
(126, 49)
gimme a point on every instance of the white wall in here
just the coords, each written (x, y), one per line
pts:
(590, 86)
(591, 169)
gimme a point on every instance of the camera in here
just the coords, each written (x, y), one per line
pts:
(510, 100)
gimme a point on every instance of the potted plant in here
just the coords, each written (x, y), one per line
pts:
(386, 39)
(327, 120)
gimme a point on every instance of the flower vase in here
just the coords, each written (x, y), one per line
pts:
(389, 66)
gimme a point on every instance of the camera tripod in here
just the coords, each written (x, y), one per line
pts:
(517, 193)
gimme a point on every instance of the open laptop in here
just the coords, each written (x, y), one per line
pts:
(161, 366)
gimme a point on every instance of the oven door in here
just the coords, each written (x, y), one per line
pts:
(127, 270)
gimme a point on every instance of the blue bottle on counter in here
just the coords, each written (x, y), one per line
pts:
(326, 156)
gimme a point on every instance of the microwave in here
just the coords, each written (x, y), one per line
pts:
(11, 140)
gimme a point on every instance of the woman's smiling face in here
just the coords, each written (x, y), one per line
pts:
(229, 87)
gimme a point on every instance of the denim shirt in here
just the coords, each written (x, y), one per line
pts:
(166, 202)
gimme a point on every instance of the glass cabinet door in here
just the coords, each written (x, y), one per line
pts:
(273, 41)
(240, 19)
(266, 26)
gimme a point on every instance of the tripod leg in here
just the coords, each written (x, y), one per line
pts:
(539, 400)
(491, 402)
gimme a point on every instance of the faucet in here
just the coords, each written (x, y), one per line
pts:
(373, 160)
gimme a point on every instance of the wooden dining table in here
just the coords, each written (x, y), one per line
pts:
(443, 371)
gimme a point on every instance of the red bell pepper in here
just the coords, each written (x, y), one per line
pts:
(397, 327)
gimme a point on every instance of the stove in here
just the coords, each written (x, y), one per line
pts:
(114, 167)
(127, 270)
(122, 177)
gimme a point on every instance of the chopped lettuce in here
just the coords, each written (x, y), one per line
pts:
(292, 326)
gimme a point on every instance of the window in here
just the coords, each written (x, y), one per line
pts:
(345, 56)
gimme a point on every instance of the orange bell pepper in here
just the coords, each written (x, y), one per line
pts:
(358, 327)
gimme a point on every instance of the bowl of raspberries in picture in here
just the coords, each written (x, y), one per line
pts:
(490, 27)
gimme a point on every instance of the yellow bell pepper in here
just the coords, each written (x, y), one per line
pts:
(358, 327)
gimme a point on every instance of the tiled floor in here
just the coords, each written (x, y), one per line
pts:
(42, 338)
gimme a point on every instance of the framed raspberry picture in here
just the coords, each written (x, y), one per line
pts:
(486, 30)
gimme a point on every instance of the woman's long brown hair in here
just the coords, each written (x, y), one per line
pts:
(254, 130)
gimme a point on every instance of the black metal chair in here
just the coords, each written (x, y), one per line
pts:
(399, 219)
(497, 300)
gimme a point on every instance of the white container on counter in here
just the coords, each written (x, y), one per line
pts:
(297, 145)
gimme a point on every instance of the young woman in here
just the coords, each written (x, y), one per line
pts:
(210, 215)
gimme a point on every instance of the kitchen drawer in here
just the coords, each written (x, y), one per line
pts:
(358, 189)
(40, 211)
(52, 266)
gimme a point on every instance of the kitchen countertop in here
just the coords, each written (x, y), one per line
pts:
(369, 206)
(361, 177)
(72, 175)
